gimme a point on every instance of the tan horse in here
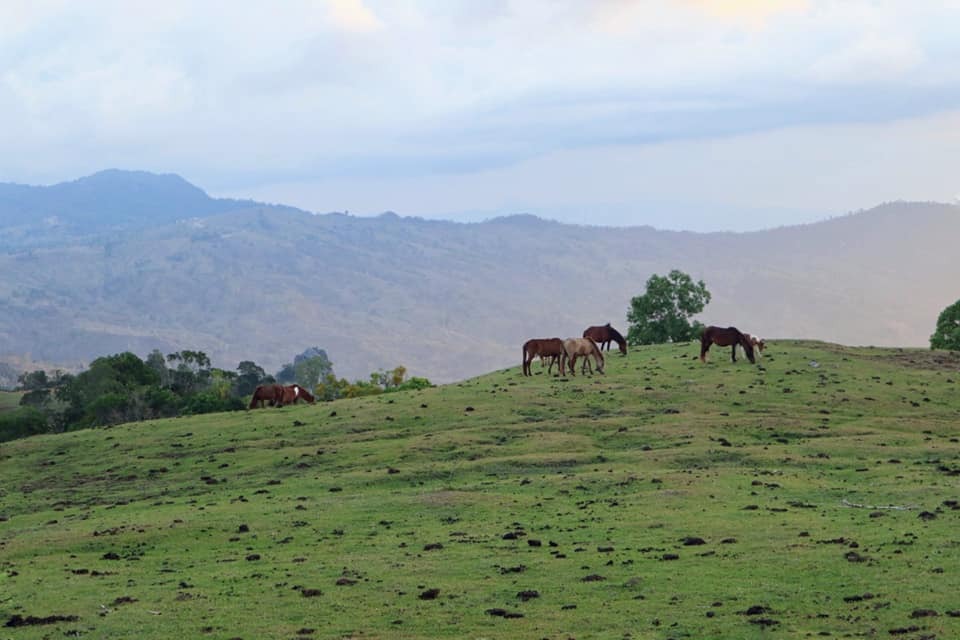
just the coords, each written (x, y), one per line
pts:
(574, 348)
(545, 348)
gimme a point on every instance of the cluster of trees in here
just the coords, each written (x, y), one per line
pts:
(124, 388)
(396, 379)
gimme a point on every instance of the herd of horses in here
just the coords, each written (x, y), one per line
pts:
(278, 395)
(552, 351)
(564, 353)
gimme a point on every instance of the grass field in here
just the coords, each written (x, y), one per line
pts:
(9, 400)
(814, 496)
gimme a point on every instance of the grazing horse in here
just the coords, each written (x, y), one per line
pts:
(573, 348)
(729, 337)
(544, 347)
(293, 392)
(272, 394)
(758, 344)
(605, 335)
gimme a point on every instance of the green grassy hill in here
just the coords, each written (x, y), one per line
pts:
(9, 400)
(816, 495)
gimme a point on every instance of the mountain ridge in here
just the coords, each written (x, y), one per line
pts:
(448, 300)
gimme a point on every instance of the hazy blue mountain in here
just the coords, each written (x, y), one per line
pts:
(444, 299)
(108, 199)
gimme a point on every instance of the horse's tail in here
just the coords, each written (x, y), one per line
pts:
(704, 343)
(254, 399)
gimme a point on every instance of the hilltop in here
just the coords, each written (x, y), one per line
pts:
(164, 266)
(813, 495)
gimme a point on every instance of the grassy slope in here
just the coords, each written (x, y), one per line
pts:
(223, 525)
(9, 400)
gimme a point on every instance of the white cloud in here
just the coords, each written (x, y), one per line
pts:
(353, 15)
(448, 91)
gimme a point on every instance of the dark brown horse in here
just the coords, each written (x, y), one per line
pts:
(605, 335)
(294, 392)
(729, 337)
(546, 347)
(271, 394)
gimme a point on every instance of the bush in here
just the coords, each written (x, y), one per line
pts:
(22, 422)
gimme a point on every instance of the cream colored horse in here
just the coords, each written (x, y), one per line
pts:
(574, 348)
(758, 343)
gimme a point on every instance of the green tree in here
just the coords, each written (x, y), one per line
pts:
(663, 312)
(21, 422)
(287, 374)
(947, 333)
(158, 363)
(34, 380)
(309, 371)
(192, 373)
(112, 390)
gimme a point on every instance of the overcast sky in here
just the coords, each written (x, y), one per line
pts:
(681, 114)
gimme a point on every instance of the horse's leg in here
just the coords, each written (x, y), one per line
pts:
(704, 347)
(733, 352)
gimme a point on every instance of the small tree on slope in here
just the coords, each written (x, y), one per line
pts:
(663, 313)
(947, 333)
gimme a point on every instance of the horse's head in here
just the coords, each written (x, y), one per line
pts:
(748, 349)
(761, 345)
(623, 347)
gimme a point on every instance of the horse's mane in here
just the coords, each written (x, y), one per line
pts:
(306, 394)
(616, 335)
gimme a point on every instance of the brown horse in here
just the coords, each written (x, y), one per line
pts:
(544, 347)
(294, 392)
(605, 335)
(272, 394)
(573, 348)
(729, 337)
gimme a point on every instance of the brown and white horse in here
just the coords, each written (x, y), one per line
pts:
(758, 344)
(294, 392)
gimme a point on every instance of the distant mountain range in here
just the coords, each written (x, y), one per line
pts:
(136, 261)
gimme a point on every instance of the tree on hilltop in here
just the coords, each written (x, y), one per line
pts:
(947, 333)
(663, 312)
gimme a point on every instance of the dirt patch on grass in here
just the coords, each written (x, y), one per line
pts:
(920, 359)
(447, 498)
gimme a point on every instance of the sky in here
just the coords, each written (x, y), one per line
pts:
(680, 114)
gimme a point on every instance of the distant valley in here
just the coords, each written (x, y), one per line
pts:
(136, 261)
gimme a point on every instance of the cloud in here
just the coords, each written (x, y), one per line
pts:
(751, 13)
(367, 91)
(353, 15)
